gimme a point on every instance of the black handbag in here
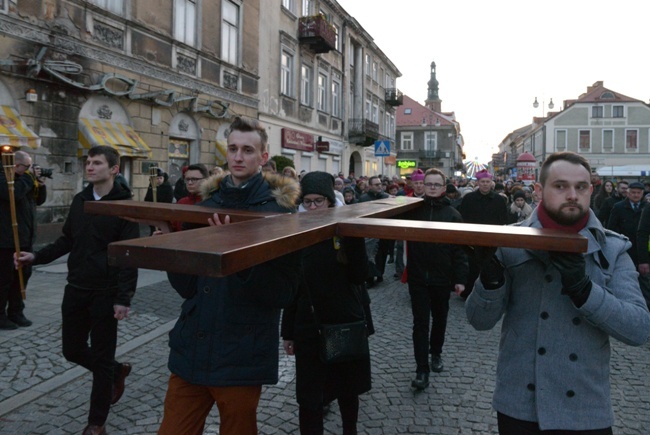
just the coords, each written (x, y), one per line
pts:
(341, 342)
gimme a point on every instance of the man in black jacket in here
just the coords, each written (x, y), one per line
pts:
(377, 249)
(625, 219)
(29, 191)
(617, 195)
(483, 206)
(434, 270)
(97, 295)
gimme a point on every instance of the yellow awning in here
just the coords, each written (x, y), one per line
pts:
(122, 137)
(14, 132)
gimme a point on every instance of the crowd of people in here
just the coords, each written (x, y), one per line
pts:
(558, 310)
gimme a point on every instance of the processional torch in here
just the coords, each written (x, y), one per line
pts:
(153, 180)
(9, 165)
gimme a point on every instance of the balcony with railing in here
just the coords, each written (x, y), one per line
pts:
(394, 97)
(317, 32)
(362, 131)
(433, 154)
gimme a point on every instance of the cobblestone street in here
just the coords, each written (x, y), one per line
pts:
(41, 393)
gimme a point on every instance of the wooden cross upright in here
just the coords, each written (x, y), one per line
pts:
(254, 238)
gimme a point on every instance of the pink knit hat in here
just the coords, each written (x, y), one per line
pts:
(417, 175)
(483, 174)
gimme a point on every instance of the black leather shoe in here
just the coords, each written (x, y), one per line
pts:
(93, 429)
(7, 324)
(421, 381)
(21, 320)
(118, 384)
(436, 363)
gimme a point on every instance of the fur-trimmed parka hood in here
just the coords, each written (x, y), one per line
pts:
(285, 190)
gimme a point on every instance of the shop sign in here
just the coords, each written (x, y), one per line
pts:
(406, 164)
(297, 140)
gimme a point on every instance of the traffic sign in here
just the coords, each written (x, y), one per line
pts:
(382, 148)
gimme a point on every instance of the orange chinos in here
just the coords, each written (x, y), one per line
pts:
(188, 405)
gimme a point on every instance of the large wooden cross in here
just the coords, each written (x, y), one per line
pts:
(254, 238)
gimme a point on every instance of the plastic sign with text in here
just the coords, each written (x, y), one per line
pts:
(406, 164)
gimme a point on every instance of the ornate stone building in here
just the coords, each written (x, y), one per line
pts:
(158, 80)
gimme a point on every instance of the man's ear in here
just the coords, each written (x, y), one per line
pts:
(115, 170)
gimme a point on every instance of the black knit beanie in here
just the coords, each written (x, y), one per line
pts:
(319, 183)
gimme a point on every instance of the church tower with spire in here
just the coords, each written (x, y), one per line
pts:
(433, 102)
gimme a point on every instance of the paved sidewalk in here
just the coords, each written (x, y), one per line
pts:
(41, 393)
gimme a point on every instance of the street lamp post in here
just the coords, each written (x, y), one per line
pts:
(550, 106)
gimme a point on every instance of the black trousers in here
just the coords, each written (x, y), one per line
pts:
(512, 426)
(88, 314)
(311, 420)
(11, 301)
(384, 249)
(428, 302)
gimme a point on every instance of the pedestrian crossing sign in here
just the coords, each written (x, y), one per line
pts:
(382, 148)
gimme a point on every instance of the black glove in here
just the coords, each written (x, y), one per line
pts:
(490, 266)
(575, 283)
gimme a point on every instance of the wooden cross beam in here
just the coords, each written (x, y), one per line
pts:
(249, 240)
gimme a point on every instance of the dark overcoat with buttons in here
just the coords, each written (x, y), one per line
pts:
(553, 364)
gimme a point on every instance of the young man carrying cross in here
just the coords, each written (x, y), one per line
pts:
(224, 346)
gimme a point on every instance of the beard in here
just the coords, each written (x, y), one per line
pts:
(564, 217)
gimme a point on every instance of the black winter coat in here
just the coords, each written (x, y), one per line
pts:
(86, 237)
(489, 209)
(227, 331)
(643, 237)
(436, 264)
(624, 220)
(333, 279)
(26, 201)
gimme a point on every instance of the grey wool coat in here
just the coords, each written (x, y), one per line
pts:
(553, 364)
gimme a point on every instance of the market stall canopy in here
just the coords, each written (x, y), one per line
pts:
(13, 130)
(122, 137)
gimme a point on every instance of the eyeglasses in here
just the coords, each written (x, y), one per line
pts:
(192, 180)
(22, 164)
(318, 202)
(434, 185)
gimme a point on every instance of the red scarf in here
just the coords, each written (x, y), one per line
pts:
(548, 222)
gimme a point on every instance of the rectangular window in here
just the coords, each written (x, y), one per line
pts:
(618, 112)
(375, 113)
(430, 140)
(230, 33)
(374, 71)
(608, 140)
(407, 140)
(322, 92)
(631, 140)
(560, 140)
(288, 5)
(368, 108)
(367, 66)
(114, 6)
(585, 140)
(306, 8)
(337, 42)
(185, 21)
(286, 74)
(597, 112)
(336, 97)
(305, 85)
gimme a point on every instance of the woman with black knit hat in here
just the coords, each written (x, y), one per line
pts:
(332, 291)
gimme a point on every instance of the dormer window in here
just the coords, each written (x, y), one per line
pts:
(607, 96)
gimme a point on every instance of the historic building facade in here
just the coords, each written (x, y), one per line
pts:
(427, 137)
(157, 80)
(609, 129)
(327, 92)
